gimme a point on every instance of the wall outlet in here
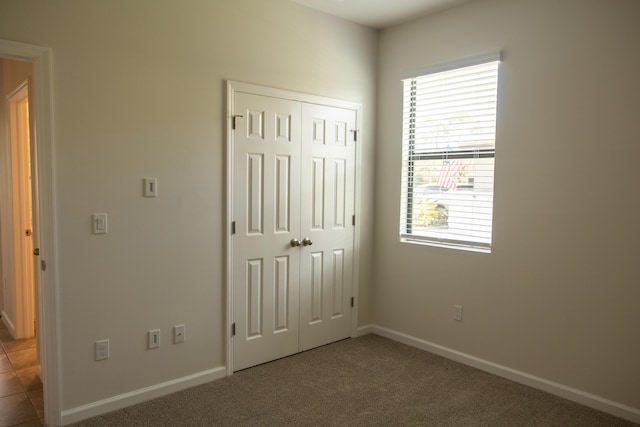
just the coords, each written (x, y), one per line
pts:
(102, 349)
(154, 338)
(457, 313)
(178, 334)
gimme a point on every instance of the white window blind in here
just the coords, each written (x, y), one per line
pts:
(448, 151)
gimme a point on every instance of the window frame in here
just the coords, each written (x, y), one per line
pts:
(411, 155)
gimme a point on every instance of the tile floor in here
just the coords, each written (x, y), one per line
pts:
(21, 402)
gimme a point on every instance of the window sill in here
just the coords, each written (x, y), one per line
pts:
(447, 245)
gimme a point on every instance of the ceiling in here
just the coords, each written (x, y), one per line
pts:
(380, 13)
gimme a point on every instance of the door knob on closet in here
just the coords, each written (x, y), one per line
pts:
(306, 242)
(295, 243)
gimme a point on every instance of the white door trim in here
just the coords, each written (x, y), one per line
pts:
(49, 326)
(232, 88)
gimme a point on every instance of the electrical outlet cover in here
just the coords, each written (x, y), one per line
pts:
(178, 334)
(102, 349)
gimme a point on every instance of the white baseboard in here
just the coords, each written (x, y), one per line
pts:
(141, 395)
(579, 396)
(8, 323)
(364, 330)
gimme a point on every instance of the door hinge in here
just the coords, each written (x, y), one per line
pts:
(233, 329)
(233, 120)
(353, 302)
(353, 220)
(355, 135)
(233, 227)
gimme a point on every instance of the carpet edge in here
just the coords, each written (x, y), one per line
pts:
(587, 399)
(134, 397)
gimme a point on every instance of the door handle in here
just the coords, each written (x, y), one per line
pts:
(307, 242)
(295, 243)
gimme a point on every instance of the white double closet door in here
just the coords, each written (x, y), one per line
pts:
(293, 201)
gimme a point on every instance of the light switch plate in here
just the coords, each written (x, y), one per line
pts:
(99, 223)
(154, 338)
(150, 187)
(457, 313)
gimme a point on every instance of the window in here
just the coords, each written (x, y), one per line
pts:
(448, 150)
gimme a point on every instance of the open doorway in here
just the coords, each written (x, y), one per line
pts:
(43, 218)
(19, 288)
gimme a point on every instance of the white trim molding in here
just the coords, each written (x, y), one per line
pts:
(570, 393)
(134, 397)
(365, 330)
(48, 311)
(8, 323)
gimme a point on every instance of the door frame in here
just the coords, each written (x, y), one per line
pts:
(42, 156)
(232, 88)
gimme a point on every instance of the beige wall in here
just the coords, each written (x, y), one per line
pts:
(139, 91)
(558, 296)
(12, 74)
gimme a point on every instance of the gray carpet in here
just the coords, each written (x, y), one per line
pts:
(359, 382)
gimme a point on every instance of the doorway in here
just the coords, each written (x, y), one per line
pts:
(20, 290)
(292, 207)
(43, 218)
